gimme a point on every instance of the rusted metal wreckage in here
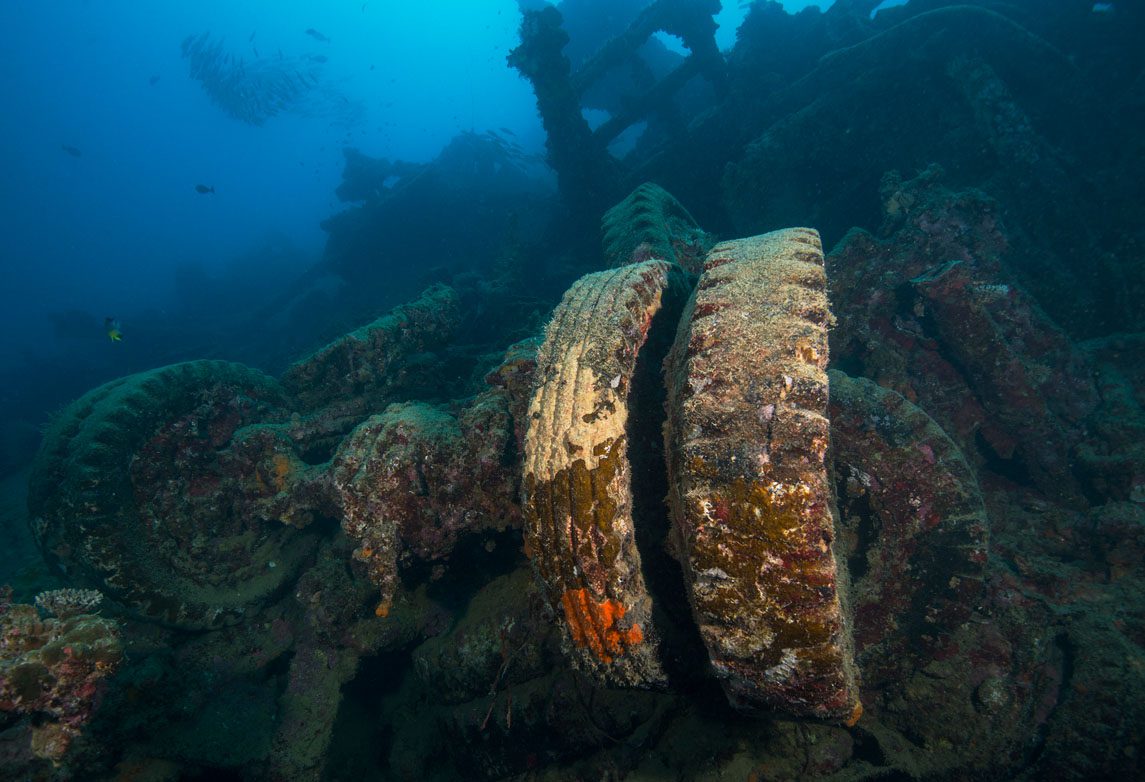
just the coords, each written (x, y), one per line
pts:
(588, 176)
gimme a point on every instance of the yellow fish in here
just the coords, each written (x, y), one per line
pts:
(114, 331)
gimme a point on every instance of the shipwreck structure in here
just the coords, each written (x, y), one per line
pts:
(589, 177)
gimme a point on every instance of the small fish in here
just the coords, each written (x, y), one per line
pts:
(153, 80)
(317, 57)
(507, 132)
(113, 328)
(73, 151)
(317, 36)
(251, 37)
(204, 189)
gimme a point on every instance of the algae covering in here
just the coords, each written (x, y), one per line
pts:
(415, 479)
(54, 669)
(135, 492)
(649, 224)
(364, 369)
(912, 521)
(751, 495)
(577, 486)
(785, 606)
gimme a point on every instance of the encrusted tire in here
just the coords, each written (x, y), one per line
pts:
(752, 501)
(913, 525)
(578, 501)
(133, 493)
(650, 223)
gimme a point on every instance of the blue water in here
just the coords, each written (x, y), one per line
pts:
(106, 136)
(104, 231)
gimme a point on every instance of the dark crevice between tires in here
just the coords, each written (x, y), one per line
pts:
(682, 651)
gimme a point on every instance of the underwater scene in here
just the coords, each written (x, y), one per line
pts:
(572, 390)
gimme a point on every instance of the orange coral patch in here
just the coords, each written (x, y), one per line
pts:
(282, 468)
(593, 624)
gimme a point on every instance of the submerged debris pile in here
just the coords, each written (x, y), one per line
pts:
(829, 535)
(915, 552)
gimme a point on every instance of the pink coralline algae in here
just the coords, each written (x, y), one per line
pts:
(930, 312)
(413, 479)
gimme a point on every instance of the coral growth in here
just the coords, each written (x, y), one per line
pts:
(930, 314)
(948, 524)
(414, 479)
(53, 671)
(64, 603)
(596, 625)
